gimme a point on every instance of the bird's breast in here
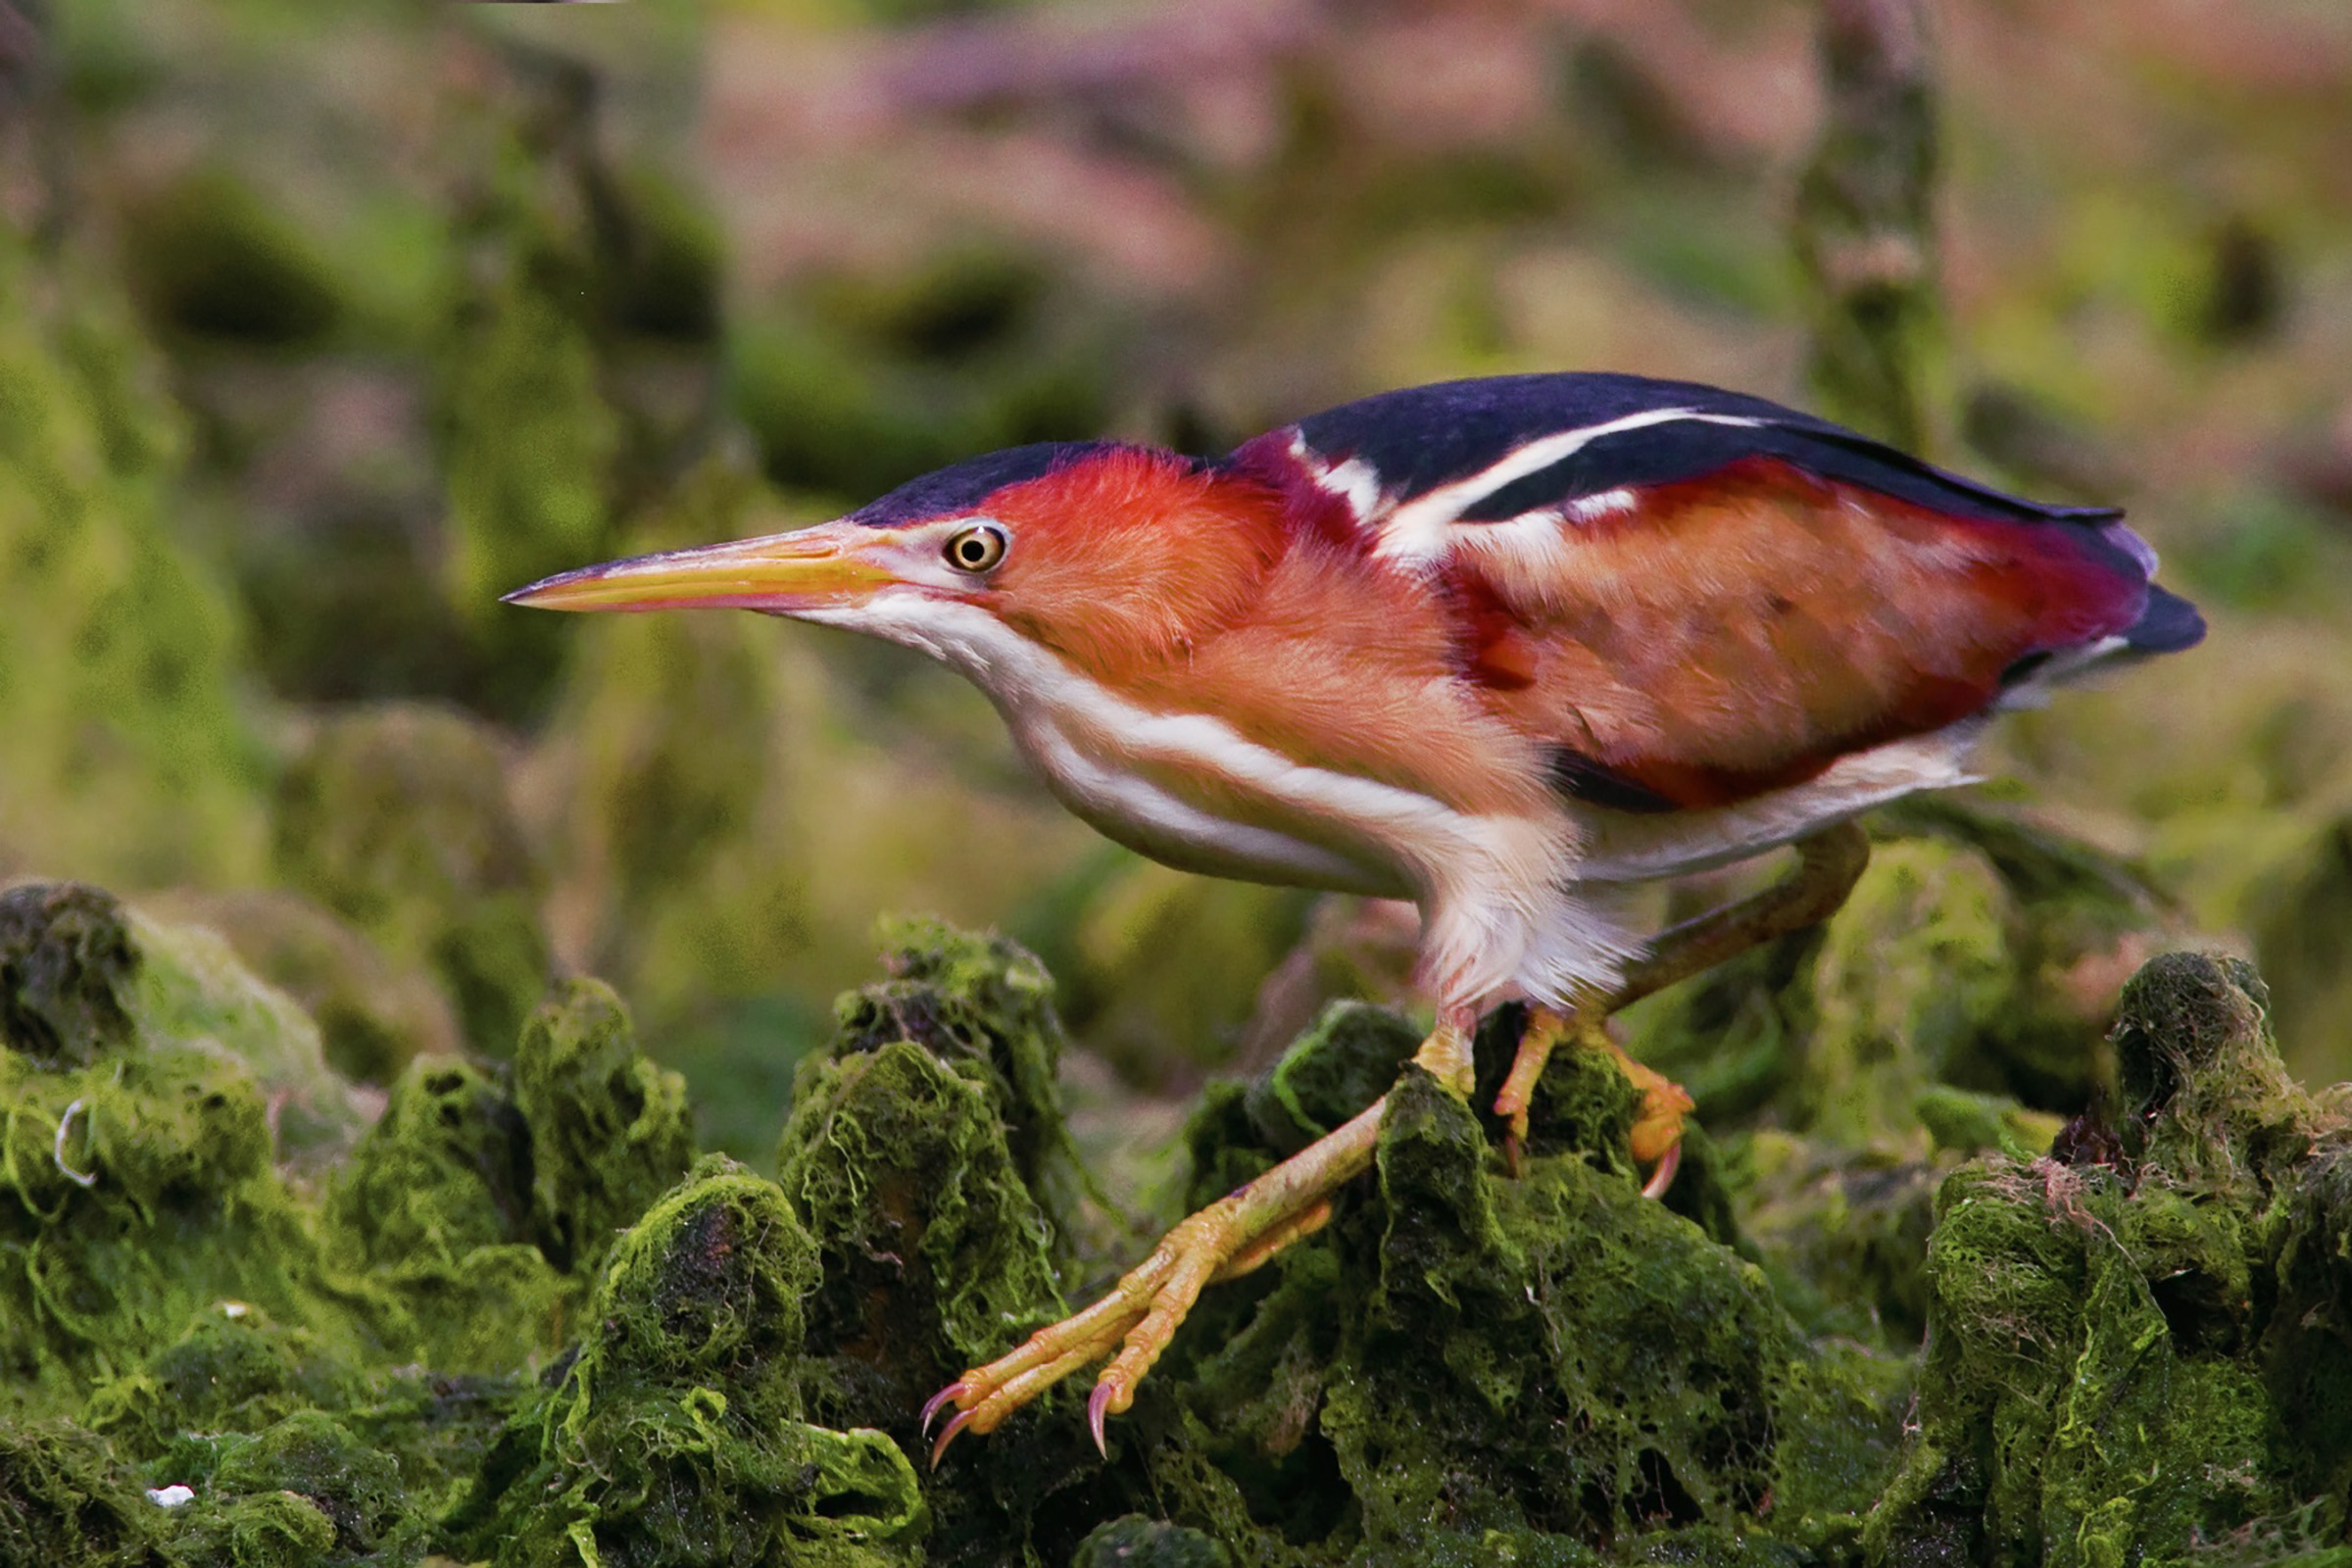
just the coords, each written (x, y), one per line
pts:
(1192, 794)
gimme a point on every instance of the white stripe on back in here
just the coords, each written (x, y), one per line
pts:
(1420, 531)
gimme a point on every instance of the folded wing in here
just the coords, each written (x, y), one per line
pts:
(1690, 597)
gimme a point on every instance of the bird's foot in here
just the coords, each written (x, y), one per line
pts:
(1133, 1324)
(1657, 1129)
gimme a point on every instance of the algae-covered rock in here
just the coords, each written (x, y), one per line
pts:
(140, 1154)
(236, 1370)
(1135, 1541)
(2132, 1353)
(435, 1203)
(398, 818)
(985, 1008)
(610, 1130)
(66, 964)
(304, 1490)
(675, 1436)
(1980, 953)
(487, 1202)
(934, 1252)
(64, 1501)
(1467, 1366)
(2092, 1391)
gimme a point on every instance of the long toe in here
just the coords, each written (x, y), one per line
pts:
(1133, 1324)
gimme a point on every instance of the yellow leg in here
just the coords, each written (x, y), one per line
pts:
(1236, 1234)
(1827, 865)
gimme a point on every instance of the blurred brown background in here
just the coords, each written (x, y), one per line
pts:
(321, 326)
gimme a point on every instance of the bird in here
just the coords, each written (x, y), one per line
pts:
(1505, 647)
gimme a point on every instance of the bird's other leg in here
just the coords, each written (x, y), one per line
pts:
(1446, 1053)
(1828, 865)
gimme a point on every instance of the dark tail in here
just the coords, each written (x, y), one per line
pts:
(2168, 624)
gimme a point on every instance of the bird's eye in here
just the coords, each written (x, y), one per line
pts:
(977, 548)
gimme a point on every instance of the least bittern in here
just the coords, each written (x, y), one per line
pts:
(1500, 647)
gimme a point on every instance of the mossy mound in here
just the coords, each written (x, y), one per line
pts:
(517, 1323)
(2130, 1358)
(138, 1148)
(397, 816)
(674, 1436)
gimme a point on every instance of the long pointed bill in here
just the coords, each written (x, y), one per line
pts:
(816, 569)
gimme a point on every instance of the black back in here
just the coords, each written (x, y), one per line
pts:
(1428, 436)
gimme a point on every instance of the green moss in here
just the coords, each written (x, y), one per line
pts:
(1343, 1063)
(234, 1371)
(1958, 989)
(63, 1504)
(675, 1436)
(2206, 1096)
(435, 1205)
(609, 1129)
(2133, 1358)
(211, 258)
(302, 1490)
(985, 1008)
(935, 1258)
(2092, 1392)
(1135, 1541)
(1844, 1238)
(142, 1183)
(1469, 1367)
(488, 1209)
(127, 756)
(1965, 1123)
(398, 818)
(444, 1172)
(1917, 969)
(264, 1530)
(67, 965)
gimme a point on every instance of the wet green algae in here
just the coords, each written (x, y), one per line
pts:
(514, 1324)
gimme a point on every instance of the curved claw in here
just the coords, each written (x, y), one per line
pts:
(946, 1436)
(1662, 1176)
(1098, 1410)
(944, 1397)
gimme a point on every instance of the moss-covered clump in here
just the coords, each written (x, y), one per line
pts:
(1470, 1366)
(985, 1009)
(398, 818)
(137, 1151)
(2114, 1373)
(517, 1325)
(488, 1199)
(1978, 952)
(674, 1436)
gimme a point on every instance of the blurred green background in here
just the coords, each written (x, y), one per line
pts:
(321, 326)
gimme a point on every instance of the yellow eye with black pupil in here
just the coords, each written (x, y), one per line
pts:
(976, 548)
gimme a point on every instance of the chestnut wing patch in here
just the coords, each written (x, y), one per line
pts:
(1698, 643)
